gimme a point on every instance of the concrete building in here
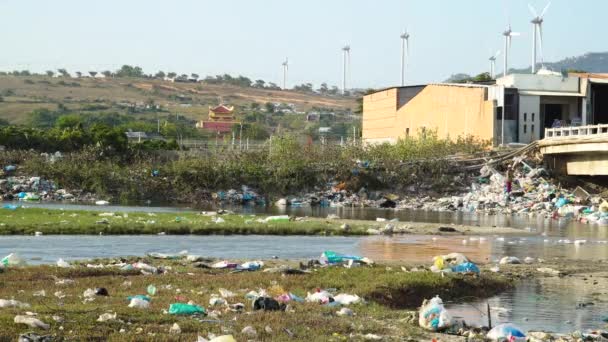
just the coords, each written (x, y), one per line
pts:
(530, 103)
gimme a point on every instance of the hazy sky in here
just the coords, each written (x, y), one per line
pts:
(252, 37)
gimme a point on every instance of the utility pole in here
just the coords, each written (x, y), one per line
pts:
(241, 138)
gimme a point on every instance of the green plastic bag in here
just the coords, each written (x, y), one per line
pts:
(185, 309)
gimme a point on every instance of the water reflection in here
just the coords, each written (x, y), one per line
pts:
(548, 304)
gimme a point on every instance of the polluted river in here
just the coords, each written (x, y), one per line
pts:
(548, 304)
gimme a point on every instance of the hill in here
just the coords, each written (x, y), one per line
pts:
(595, 62)
(20, 95)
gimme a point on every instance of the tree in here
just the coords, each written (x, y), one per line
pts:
(483, 77)
(50, 73)
(259, 84)
(130, 71)
(63, 72)
(334, 90)
(273, 86)
(323, 89)
(254, 106)
(194, 76)
(160, 75)
(107, 73)
(172, 74)
(78, 74)
(25, 73)
(93, 73)
(68, 121)
(251, 131)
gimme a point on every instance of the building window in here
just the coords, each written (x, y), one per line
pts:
(525, 129)
(532, 129)
(533, 117)
(407, 132)
(525, 117)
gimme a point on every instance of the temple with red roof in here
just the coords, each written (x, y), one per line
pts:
(221, 119)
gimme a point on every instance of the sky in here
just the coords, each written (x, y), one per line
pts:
(253, 37)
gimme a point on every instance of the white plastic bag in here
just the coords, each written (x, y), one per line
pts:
(433, 315)
(139, 303)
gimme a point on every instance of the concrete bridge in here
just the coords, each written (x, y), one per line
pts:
(581, 150)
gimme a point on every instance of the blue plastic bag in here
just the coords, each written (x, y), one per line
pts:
(466, 267)
(506, 331)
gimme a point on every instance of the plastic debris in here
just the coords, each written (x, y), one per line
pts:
(33, 337)
(433, 315)
(249, 331)
(139, 303)
(32, 322)
(151, 290)
(11, 303)
(268, 304)
(509, 260)
(175, 329)
(186, 309)
(347, 299)
(107, 317)
(506, 332)
(12, 260)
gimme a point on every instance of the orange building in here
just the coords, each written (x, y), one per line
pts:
(221, 119)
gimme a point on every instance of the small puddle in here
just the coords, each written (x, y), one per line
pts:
(551, 304)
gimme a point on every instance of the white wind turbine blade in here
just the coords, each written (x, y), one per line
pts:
(542, 14)
(515, 34)
(497, 54)
(532, 10)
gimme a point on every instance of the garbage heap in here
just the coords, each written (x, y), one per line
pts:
(13, 188)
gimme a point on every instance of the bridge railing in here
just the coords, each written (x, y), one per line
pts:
(576, 131)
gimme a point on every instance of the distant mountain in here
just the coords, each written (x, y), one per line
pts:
(596, 62)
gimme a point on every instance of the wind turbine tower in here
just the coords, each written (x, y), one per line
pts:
(508, 34)
(285, 69)
(405, 51)
(537, 31)
(493, 64)
(345, 66)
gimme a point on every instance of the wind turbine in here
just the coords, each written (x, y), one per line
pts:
(508, 34)
(345, 66)
(405, 51)
(493, 64)
(537, 24)
(285, 69)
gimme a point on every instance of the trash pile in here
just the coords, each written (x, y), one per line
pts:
(245, 196)
(34, 189)
(453, 262)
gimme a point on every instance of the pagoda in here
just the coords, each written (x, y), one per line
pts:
(221, 119)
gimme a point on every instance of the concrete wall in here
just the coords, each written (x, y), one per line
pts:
(449, 109)
(529, 119)
(541, 82)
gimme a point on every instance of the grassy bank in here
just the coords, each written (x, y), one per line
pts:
(27, 221)
(384, 289)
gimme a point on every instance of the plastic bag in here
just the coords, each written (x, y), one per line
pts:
(32, 322)
(331, 257)
(347, 299)
(63, 264)
(139, 303)
(185, 309)
(433, 315)
(12, 260)
(506, 332)
(466, 267)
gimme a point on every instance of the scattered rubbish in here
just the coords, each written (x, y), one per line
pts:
(32, 322)
(249, 331)
(101, 291)
(11, 303)
(509, 260)
(453, 262)
(345, 312)
(175, 329)
(12, 260)
(433, 315)
(268, 304)
(214, 300)
(41, 293)
(506, 332)
(139, 303)
(33, 337)
(101, 203)
(151, 290)
(548, 270)
(280, 218)
(346, 299)
(186, 309)
(224, 264)
(63, 264)
(107, 317)
(330, 257)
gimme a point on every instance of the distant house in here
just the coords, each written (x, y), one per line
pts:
(313, 116)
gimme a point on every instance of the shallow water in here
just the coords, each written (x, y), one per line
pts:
(549, 304)
(540, 304)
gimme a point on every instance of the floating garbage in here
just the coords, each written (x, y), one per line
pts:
(453, 262)
(506, 332)
(434, 316)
